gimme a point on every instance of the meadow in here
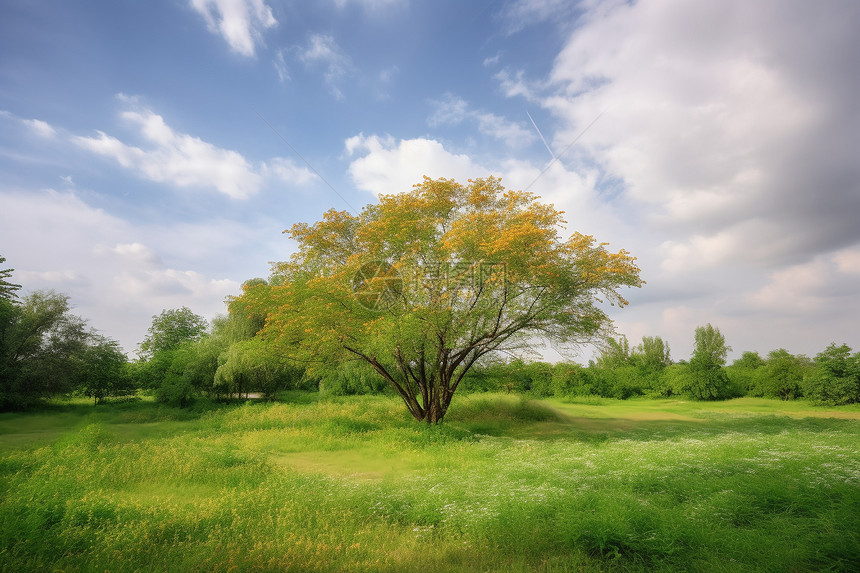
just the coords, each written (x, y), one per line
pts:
(504, 484)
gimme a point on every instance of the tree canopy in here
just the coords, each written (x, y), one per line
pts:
(7, 289)
(423, 284)
(709, 380)
(172, 328)
(46, 351)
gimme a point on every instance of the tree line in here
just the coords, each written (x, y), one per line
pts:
(183, 357)
(831, 378)
(46, 351)
(420, 294)
(229, 360)
(49, 352)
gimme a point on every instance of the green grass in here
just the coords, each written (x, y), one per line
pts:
(353, 484)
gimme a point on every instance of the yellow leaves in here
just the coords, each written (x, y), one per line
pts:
(439, 222)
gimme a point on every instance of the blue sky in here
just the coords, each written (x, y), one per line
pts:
(148, 149)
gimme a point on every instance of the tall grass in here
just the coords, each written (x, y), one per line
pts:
(353, 484)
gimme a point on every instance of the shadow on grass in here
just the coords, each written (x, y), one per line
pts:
(519, 418)
(362, 418)
(130, 419)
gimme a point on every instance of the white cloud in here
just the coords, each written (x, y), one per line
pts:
(113, 276)
(41, 128)
(449, 111)
(170, 285)
(492, 61)
(719, 116)
(187, 161)
(287, 171)
(571, 192)
(373, 5)
(452, 110)
(722, 159)
(809, 288)
(511, 133)
(240, 22)
(280, 64)
(848, 261)
(388, 74)
(382, 85)
(322, 50)
(136, 252)
(516, 85)
(177, 158)
(388, 166)
(522, 13)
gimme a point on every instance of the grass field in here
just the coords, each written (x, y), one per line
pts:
(504, 484)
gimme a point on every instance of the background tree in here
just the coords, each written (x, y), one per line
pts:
(40, 348)
(781, 376)
(247, 313)
(203, 360)
(9, 316)
(675, 379)
(742, 372)
(171, 367)
(621, 372)
(651, 358)
(424, 284)
(836, 377)
(44, 340)
(615, 353)
(171, 329)
(708, 379)
(254, 366)
(571, 379)
(353, 378)
(104, 370)
(653, 354)
(7, 289)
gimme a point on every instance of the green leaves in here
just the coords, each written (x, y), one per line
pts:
(47, 351)
(170, 329)
(836, 378)
(708, 379)
(7, 289)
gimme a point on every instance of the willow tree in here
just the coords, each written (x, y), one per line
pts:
(423, 284)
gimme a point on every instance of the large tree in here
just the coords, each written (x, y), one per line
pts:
(423, 284)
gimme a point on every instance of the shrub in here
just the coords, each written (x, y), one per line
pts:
(707, 380)
(742, 373)
(781, 376)
(836, 377)
(673, 381)
(353, 378)
(176, 392)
